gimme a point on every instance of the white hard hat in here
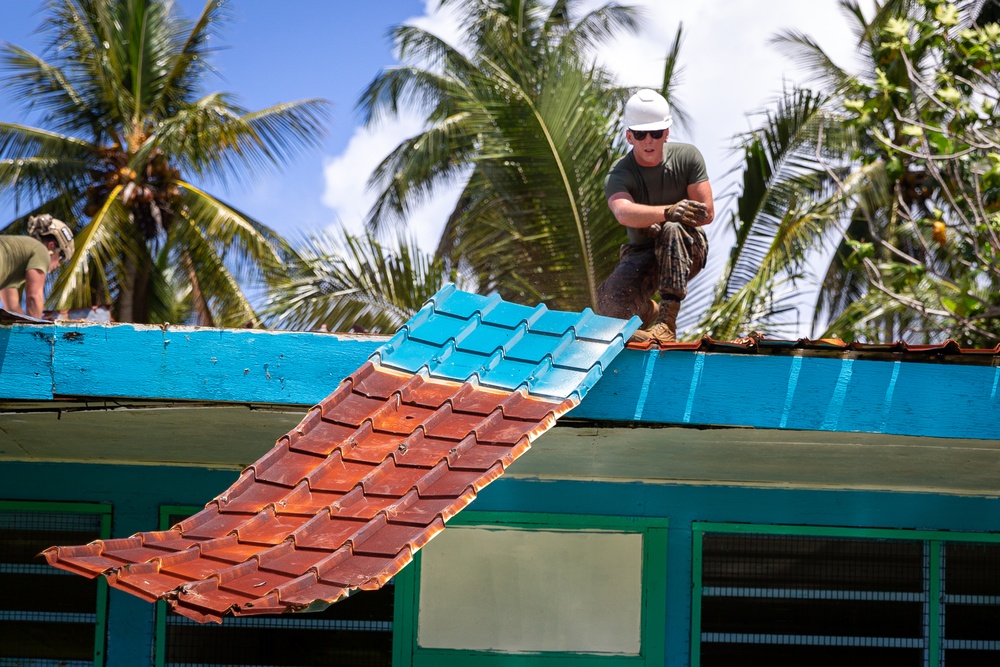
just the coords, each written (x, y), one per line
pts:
(647, 110)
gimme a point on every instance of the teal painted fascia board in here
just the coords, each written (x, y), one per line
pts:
(39, 362)
(799, 393)
(839, 393)
(239, 365)
(26, 362)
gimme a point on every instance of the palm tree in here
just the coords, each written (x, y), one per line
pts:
(341, 282)
(521, 118)
(819, 194)
(781, 214)
(126, 134)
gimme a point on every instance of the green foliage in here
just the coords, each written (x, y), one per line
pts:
(936, 123)
(519, 116)
(126, 129)
(898, 170)
(355, 283)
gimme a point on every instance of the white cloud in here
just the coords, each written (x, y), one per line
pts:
(346, 175)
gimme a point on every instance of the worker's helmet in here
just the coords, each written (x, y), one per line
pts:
(647, 110)
(40, 226)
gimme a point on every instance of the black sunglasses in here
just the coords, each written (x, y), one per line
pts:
(641, 134)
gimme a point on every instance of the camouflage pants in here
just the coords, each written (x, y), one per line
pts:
(677, 256)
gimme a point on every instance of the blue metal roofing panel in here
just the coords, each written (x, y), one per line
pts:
(584, 354)
(562, 382)
(556, 322)
(597, 327)
(420, 316)
(440, 328)
(463, 304)
(407, 355)
(469, 336)
(508, 374)
(507, 314)
(534, 347)
(484, 340)
(461, 366)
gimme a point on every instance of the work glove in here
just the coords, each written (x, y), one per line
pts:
(687, 212)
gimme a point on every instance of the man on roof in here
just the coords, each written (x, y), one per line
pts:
(26, 260)
(661, 194)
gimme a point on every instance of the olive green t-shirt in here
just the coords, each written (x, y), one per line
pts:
(17, 255)
(665, 184)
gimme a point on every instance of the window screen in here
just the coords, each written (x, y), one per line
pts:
(356, 632)
(777, 599)
(48, 616)
(970, 613)
(772, 598)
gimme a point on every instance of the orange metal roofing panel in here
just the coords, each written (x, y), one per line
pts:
(375, 470)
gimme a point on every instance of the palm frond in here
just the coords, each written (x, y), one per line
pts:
(672, 78)
(202, 263)
(38, 84)
(780, 171)
(404, 87)
(251, 249)
(216, 138)
(341, 282)
(806, 51)
(600, 25)
(101, 247)
(189, 63)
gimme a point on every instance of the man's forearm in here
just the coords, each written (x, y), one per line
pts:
(638, 216)
(35, 305)
(34, 292)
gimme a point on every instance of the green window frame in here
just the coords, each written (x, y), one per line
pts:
(167, 514)
(102, 514)
(935, 598)
(653, 530)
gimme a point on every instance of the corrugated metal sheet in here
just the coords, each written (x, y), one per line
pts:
(344, 500)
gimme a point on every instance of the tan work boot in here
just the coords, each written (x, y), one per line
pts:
(653, 315)
(665, 329)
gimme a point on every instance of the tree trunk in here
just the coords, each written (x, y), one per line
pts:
(133, 293)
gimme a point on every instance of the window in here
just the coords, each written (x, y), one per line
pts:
(356, 632)
(825, 596)
(47, 615)
(544, 587)
(970, 609)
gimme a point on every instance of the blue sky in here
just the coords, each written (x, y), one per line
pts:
(276, 51)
